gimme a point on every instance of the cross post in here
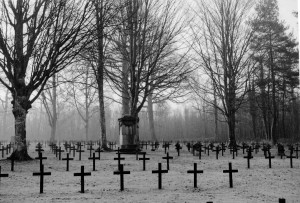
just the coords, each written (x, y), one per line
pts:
(291, 158)
(40, 157)
(79, 150)
(230, 171)
(144, 161)
(159, 171)
(94, 161)
(119, 157)
(168, 157)
(121, 172)
(248, 157)
(195, 172)
(42, 174)
(270, 158)
(67, 159)
(82, 174)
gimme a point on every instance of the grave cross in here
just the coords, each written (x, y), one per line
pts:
(257, 146)
(281, 150)
(159, 171)
(269, 157)
(249, 156)
(291, 148)
(244, 146)
(223, 148)
(168, 157)
(79, 150)
(119, 157)
(144, 161)
(94, 161)
(200, 150)
(40, 157)
(66, 145)
(217, 150)
(111, 145)
(59, 152)
(90, 148)
(165, 146)
(51, 145)
(195, 172)
(2, 174)
(230, 171)
(178, 148)
(39, 150)
(55, 150)
(291, 158)
(67, 159)
(2, 149)
(39, 146)
(234, 151)
(188, 145)
(82, 174)
(206, 149)
(99, 152)
(72, 149)
(42, 174)
(265, 149)
(121, 172)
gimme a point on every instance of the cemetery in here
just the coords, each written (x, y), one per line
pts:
(149, 101)
(188, 179)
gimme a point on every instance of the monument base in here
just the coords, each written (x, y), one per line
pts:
(129, 149)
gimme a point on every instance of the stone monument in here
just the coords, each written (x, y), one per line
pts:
(129, 133)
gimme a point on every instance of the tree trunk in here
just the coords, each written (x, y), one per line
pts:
(253, 112)
(54, 109)
(231, 102)
(53, 132)
(231, 129)
(216, 129)
(274, 103)
(102, 120)
(87, 113)
(204, 122)
(20, 112)
(125, 95)
(283, 133)
(87, 130)
(100, 69)
(151, 118)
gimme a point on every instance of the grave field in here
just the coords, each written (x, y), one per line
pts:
(257, 184)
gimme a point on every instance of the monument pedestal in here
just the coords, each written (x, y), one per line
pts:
(129, 134)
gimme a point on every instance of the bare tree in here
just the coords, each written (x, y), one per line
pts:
(102, 26)
(221, 44)
(54, 100)
(49, 100)
(43, 37)
(146, 59)
(83, 93)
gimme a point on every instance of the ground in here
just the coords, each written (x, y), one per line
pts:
(257, 184)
